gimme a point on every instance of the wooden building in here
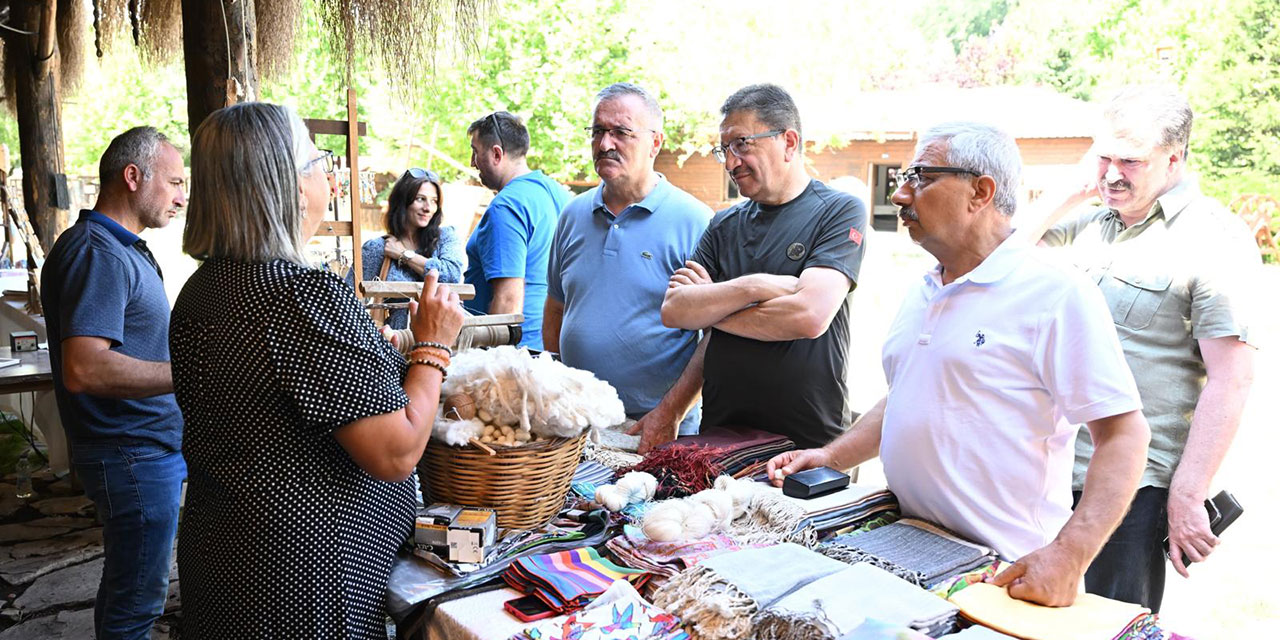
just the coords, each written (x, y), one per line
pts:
(865, 144)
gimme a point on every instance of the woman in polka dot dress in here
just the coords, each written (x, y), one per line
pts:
(303, 425)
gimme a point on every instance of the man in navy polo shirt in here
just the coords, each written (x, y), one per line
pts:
(507, 253)
(614, 250)
(108, 326)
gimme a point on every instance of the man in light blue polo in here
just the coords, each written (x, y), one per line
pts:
(507, 253)
(613, 253)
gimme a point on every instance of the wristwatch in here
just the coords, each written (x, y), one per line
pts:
(406, 256)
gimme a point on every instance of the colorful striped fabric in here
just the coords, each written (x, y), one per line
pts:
(568, 580)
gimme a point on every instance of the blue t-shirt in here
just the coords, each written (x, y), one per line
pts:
(611, 274)
(96, 282)
(512, 241)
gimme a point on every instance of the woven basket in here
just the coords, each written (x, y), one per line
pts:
(526, 485)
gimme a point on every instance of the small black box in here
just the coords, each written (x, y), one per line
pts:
(812, 483)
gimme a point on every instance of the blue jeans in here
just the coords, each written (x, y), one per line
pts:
(1130, 566)
(136, 490)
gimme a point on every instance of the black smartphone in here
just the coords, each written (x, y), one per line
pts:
(528, 609)
(1223, 510)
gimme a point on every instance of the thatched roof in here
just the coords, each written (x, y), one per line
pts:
(399, 34)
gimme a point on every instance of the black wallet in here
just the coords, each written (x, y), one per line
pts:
(1223, 510)
(812, 483)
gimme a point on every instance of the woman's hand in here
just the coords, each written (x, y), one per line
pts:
(437, 315)
(392, 248)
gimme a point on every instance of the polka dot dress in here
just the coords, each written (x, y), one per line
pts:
(283, 535)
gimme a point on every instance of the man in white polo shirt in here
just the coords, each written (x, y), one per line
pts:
(990, 363)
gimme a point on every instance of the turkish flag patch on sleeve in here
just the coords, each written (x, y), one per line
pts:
(855, 236)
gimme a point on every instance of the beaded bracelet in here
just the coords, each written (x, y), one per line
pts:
(432, 345)
(427, 353)
(444, 375)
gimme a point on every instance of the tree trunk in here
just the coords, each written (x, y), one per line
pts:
(39, 117)
(219, 42)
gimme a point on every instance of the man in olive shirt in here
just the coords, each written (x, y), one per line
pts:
(1173, 265)
(771, 278)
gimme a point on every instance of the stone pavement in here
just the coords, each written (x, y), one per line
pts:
(50, 564)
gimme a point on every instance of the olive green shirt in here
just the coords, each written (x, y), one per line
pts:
(1179, 276)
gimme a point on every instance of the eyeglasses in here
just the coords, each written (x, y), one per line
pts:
(497, 128)
(911, 176)
(326, 160)
(421, 174)
(740, 145)
(621, 133)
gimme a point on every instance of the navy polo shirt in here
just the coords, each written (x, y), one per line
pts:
(611, 273)
(98, 281)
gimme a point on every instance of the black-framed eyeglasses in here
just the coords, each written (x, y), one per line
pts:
(738, 146)
(911, 175)
(422, 174)
(325, 159)
(621, 133)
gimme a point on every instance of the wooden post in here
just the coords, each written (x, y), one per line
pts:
(219, 44)
(44, 187)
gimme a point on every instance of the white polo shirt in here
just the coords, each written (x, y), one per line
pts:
(987, 376)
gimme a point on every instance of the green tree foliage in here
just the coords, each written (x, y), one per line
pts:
(1236, 91)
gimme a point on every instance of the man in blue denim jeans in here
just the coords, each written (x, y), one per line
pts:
(108, 325)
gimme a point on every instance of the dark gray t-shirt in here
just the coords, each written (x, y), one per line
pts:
(796, 388)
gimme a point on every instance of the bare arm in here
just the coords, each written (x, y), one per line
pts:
(662, 424)
(508, 295)
(1052, 208)
(693, 301)
(389, 445)
(804, 314)
(552, 319)
(1229, 365)
(1051, 575)
(854, 447)
(90, 366)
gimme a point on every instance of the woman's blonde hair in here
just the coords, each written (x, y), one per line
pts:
(245, 204)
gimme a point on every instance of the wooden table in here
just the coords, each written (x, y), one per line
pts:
(32, 373)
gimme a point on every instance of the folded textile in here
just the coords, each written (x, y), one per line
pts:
(664, 560)
(610, 457)
(618, 614)
(977, 632)
(721, 595)
(593, 472)
(1090, 618)
(874, 629)
(847, 507)
(567, 580)
(836, 604)
(914, 550)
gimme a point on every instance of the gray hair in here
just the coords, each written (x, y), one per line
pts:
(1159, 114)
(139, 146)
(984, 148)
(621, 89)
(246, 161)
(771, 104)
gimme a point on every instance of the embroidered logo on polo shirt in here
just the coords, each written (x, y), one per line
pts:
(795, 251)
(979, 339)
(855, 236)
(646, 255)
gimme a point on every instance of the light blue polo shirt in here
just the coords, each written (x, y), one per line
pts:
(511, 241)
(611, 273)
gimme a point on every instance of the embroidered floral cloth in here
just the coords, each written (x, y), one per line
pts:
(618, 614)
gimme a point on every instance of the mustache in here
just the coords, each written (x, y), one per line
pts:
(608, 155)
(909, 214)
(1118, 184)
